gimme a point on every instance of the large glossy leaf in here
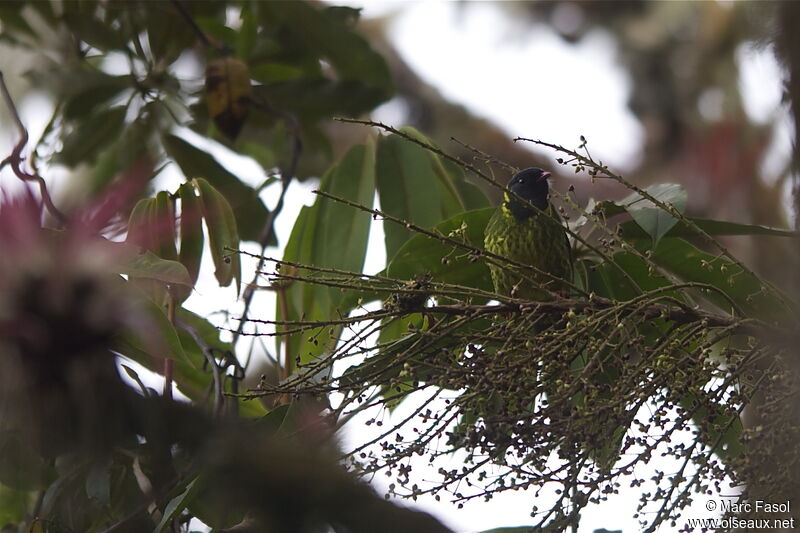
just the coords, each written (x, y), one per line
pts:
(422, 254)
(412, 186)
(251, 214)
(223, 236)
(332, 235)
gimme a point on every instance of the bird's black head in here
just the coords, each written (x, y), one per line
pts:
(530, 184)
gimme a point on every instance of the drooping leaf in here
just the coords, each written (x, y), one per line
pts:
(251, 214)
(223, 236)
(141, 231)
(164, 226)
(191, 234)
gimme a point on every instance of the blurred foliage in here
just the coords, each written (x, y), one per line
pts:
(666, 334)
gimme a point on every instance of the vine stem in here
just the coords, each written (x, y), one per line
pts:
(15, 159)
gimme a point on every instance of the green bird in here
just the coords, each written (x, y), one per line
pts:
(530, 233)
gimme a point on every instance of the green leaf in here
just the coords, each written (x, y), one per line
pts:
(223, 235)
(631, 230)
(422, 254)
(98, 483)
(214, 511)
(248, 32)
(99, 89)
(20, 466)
(167, 31)
(251, 214)
(402, 171)
(91, 135)
(332, 235)
(327, 36)
(191, 231)
(316, 98)
(90, 30)
(626, 276)
(140, 225)
(14, 504)
(754, 297)
(135, 377)
(275, 72)
(176, 505)
(149, 266)
(164, 225)
(152, 342)
(194, 379)
(652, 219)
(216, 29)
(718, 425)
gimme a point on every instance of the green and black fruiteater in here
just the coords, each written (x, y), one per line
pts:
(530, 233)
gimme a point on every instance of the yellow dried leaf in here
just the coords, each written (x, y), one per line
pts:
(228, 94)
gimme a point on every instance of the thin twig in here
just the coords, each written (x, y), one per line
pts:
(189, 20)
